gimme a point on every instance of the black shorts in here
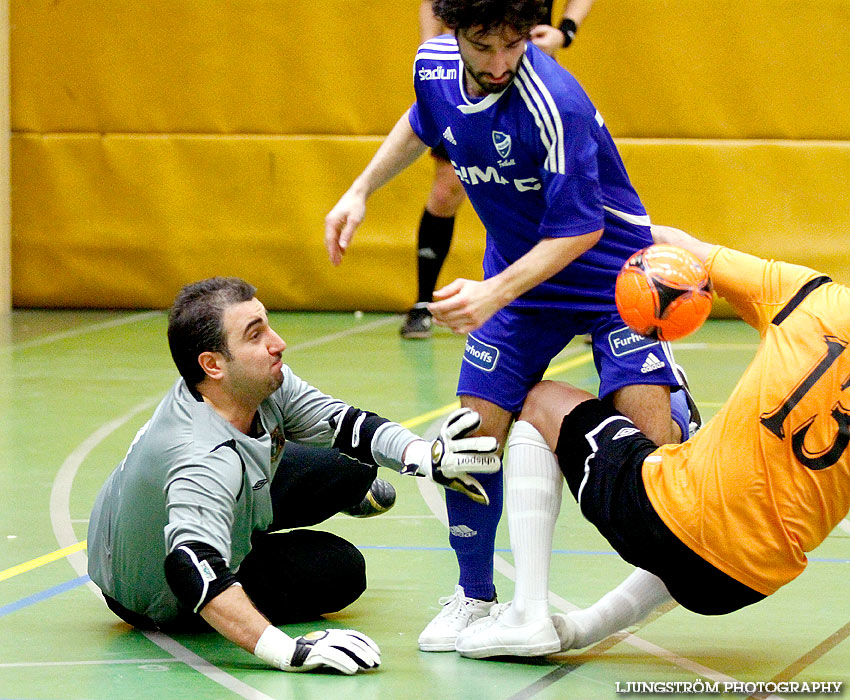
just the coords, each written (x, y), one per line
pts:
(601, 454)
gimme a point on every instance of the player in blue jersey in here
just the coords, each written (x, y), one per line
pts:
(543, 173)
(436, 225)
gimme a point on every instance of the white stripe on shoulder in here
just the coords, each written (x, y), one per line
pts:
(599, 119)
(442, 39)
(552, 110)
(439, 46)
(636, 219)
(545, 135)
(548, 120)
(438, 56)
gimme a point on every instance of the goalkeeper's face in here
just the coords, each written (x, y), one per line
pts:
(252, 369)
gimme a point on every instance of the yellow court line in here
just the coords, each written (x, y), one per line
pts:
(42, 560)
(412, 423)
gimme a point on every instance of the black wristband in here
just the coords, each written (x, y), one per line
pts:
(568, 28)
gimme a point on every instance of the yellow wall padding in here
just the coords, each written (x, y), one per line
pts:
(123, 221)
(722, 69)
(212, 66)
(654, 68)
(158, 142)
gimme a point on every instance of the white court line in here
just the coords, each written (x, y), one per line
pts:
(844, 525)
(60, 519)
(100, 662)
(133, 318)
(76, 332)
(433, 498)
(341, 334)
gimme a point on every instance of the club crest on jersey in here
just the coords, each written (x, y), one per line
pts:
(480, 354)
(502, 142)
(278, 441)
(625, 341)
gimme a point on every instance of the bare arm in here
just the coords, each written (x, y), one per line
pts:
(429, 25)
(551, 38)
(232, 614)
(464, 305)
(401, 148)
(674, 236)
(577, 10)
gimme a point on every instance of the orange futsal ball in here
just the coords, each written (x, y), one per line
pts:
(663, 292)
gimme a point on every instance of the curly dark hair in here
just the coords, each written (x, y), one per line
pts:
(520, 15)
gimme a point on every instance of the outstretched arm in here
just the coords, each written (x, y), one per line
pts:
(399, 150)
(464, 305)
(674, 236)
(232, 615)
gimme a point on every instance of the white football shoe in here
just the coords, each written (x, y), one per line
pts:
(493, 636)
(458, 611)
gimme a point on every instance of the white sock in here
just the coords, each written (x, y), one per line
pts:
(626, 605)
(533, 485)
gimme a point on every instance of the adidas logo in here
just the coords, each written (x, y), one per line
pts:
(449, 136)
(651, 364)
(462, 531)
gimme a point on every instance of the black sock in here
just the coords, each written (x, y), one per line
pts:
(435, 237)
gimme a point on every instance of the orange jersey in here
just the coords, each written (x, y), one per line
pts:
(768, 478)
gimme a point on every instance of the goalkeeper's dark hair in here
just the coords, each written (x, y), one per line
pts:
(196, 322)
(487, 15)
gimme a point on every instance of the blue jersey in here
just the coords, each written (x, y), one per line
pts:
(536, 161)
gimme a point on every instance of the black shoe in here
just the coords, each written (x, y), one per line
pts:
(378, 499)
(418, 322)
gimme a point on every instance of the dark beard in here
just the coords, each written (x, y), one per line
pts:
(488, 87)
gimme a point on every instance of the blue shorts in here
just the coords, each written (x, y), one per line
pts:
(508, 355)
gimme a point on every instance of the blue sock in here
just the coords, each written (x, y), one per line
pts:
(472, 535)
(680, 412)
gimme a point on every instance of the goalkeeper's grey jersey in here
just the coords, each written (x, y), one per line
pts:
(190, 476)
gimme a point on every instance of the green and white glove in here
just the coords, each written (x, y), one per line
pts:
(347, 651)
(452, 458)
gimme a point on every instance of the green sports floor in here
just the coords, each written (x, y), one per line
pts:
(75, 387)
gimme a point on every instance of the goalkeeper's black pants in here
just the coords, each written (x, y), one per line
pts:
(299, 574)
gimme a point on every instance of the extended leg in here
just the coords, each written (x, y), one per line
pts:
(472, 535)
(533, 486)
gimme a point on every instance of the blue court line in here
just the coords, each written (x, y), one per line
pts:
(449, 549)
(43, 595)
(81, 580)
(581, 552)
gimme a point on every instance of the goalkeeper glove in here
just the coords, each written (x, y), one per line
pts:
(347, 651)
(449, 459)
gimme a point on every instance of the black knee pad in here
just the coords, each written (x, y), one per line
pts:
(337, 568)
(303, 574)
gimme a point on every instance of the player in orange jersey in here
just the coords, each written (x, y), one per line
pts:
(726, 518)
